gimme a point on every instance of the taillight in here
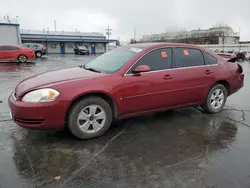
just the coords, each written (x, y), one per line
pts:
(240, 69)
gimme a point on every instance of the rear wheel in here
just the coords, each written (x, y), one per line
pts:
(22, 58)
(216, 99)
(38, 54)
(89, 118)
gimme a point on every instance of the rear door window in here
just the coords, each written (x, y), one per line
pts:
(5, 48)
(159, 59)
(188, 57)
(211, 59)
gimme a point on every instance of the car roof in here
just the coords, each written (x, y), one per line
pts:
(162, 44)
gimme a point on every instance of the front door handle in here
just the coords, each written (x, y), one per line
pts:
(168, 77)
(208, 72)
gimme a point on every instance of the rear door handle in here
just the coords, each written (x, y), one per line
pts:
(168, 77)
(208, 72)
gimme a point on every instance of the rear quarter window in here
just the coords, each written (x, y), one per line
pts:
(211, 59)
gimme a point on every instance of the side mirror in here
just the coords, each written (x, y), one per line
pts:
(141, 68)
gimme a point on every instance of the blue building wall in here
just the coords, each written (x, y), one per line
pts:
(58, 43)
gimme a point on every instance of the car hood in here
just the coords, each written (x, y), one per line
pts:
(54, 77)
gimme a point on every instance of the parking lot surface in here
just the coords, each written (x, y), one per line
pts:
(178, 148)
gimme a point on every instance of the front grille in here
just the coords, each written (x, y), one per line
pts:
(29, 121)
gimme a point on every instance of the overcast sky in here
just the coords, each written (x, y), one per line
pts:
(122, 16)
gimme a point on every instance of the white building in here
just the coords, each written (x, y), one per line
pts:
(9, 33)
(223, 35)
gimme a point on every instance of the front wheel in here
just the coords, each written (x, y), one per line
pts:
(89, 118)
(216, 99)
(38, 54)
(22, 59)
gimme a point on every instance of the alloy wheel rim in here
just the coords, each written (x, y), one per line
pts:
(22, 58)
(217, 98)
(38, 54)
(91, 119)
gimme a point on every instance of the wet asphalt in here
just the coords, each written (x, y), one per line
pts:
(181, 148)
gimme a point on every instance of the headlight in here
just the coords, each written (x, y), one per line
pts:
(41, 95)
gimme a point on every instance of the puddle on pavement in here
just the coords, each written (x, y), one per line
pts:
(149, 145)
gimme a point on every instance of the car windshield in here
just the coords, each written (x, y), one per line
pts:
(113, 60)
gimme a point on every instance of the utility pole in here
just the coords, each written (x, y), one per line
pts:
(223, 40)
(17, 19)
(108, 32)
(55, 24)
(134, 34)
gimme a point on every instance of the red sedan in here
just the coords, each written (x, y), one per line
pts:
(127, 81)
(16, 53)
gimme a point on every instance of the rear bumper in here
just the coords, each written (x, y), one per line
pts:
(236, 83)
(40, 116)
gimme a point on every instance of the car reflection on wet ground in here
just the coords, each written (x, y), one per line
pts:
(177, 148)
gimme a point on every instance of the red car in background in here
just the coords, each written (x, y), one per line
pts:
(127, 81)
(16, 53)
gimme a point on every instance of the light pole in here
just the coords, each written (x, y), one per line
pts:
(239, 37)
(55, 24)
(134, 34)
(17, 19)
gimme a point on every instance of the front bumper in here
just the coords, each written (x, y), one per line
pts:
(40, 116)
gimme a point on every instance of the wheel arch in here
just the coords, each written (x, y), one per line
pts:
(226, 84)
(102, 95)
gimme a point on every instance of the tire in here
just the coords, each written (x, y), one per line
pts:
(217, 95)
(38, 54)
(91, 127)
(22, 59)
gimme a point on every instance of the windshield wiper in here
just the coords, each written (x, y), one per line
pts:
(91, 69)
